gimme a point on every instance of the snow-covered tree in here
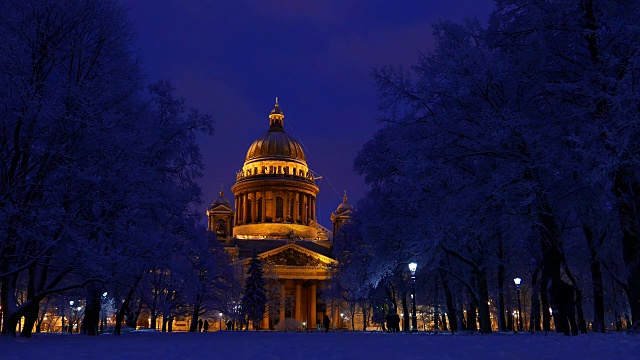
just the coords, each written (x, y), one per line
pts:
(503, 140)
(254, 300)
(98, 173)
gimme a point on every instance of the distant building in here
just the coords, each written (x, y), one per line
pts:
(274, 214)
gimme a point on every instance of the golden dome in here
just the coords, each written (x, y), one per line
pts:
(276, 144)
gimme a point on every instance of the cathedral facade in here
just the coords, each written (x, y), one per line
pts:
(273, 215)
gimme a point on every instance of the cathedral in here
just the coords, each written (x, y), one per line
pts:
(274, 216)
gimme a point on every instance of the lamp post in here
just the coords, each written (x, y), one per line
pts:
(517, 281)
(71, 316)
(220, 315)
(78, 319)
(414, 318)
(102, 312)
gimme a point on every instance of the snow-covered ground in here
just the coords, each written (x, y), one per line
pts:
(325, 346)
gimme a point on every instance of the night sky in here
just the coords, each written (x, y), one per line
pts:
(232, 58)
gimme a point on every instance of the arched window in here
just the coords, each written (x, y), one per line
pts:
(259, 216)
(249, 210)
(221, 228)
(279, 208)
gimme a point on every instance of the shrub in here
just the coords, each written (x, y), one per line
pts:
(288, 324)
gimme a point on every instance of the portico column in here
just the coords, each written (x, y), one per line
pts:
(312, 320)
(298, 301)
(265, 320)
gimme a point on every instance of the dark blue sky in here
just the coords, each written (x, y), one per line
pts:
(232, 58)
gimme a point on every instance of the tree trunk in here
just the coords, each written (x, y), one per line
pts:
(472, 316)
(534, 324)
(33, 307)
(122, 311)
(365, 318)
(598, 297)
(582, 324)
(194, 319)
(154, 320)
(444, 323)
(596, 280)
(132, 318)
(453, 321)
(550, 245)
(170, 321)
(436, 306)
(627, 192)
(483, 308)
(9, 307)
(501, 320)
(91, 320)
(405, 311)
(544, 298)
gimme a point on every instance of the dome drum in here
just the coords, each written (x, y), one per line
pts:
(275, 192)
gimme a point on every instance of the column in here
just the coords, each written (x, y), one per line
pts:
(240, 208)
(245, 211)
(282, 302)
(304, 209)
(237, 208)
(313, 208)
(295, 206)
(254, 207)
(312, 319)
(264, 205)
(265, 320)
(287, 196)
(298, 301)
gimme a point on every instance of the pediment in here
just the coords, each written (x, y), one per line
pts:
(221, 209)
(294, 255)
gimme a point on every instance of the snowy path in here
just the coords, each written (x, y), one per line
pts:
(336, 345)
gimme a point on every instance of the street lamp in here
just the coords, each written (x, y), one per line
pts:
(78, 320)
(71, 316)
(414, 318)
(220, 314)
(517, 281)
